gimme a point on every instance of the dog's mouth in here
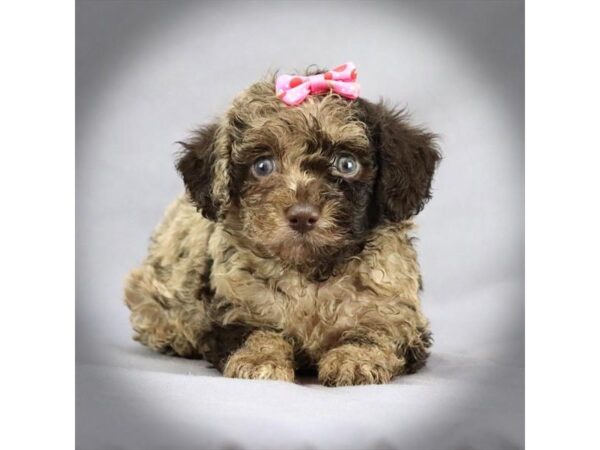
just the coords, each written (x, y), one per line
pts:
(302, 247)
(297, 250)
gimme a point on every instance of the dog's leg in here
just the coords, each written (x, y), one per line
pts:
(164, 325)
(374, 358)
(359, 363)
(265, 355)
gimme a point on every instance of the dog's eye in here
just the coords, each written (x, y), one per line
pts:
(346, 165)
(263, 166)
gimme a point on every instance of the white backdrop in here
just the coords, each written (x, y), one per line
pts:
(149, 72)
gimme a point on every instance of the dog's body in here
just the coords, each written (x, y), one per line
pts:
(303, 257)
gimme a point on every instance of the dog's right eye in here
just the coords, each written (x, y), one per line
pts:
(263, 166)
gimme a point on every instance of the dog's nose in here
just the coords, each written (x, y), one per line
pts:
(303, 217)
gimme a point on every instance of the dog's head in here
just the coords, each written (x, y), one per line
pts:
(304, 183)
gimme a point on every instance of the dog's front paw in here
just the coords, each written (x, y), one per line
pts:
(350, 365)
(258, 367)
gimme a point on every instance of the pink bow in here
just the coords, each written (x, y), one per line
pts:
(293, 89)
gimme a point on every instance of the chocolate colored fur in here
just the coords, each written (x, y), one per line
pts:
(240, 287)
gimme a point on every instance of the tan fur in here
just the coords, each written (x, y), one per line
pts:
(257, 298)
(165, 312)
(264, 356)
(373, 302)
(351, 364)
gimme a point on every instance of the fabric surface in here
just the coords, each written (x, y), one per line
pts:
(132, 398)
(149, 72)
(293, 89)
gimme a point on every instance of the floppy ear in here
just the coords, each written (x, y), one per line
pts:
(406, 156)
(204, 168)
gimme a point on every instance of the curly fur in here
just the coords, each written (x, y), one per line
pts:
(239, 287)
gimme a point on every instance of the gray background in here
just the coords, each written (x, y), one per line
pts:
(150, 71)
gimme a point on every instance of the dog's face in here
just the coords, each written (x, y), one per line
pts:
(307, 182)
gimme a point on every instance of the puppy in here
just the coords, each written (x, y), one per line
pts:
(291, 248)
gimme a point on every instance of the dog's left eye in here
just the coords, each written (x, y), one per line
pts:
(263, 166)
(346, 165)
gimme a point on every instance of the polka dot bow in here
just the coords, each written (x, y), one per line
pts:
(293, 89)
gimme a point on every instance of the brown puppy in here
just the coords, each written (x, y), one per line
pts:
(303, 257)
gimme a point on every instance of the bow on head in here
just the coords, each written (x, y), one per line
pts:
(293, 89)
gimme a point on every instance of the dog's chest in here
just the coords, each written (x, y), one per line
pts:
(314, 314)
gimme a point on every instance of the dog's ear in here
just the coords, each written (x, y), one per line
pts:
(406, 157)
(204, 168)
